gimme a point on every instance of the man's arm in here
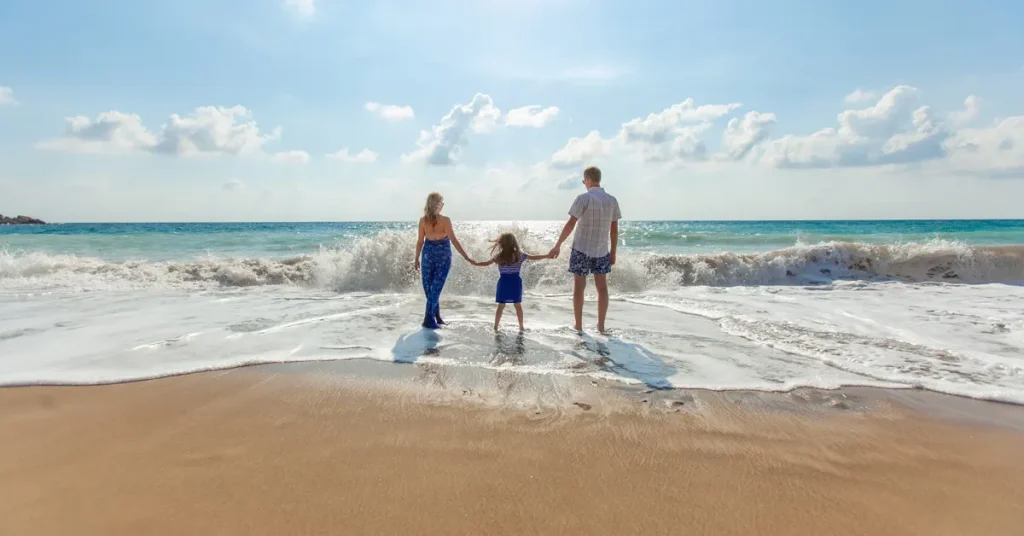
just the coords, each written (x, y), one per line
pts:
(616, 216)
(566, 231)
(579, 206)
(615, 238)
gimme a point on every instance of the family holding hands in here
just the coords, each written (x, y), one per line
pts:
(594, 216)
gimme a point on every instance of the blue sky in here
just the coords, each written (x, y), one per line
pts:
(228, 109)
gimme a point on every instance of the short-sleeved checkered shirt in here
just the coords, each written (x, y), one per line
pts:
(595, 210)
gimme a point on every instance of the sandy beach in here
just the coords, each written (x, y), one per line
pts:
(253, 451)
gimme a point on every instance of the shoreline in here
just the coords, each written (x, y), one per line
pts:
(475, 382)
(289, 449)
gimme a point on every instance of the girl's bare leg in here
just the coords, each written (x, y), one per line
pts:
(519, 315)
(497, 315)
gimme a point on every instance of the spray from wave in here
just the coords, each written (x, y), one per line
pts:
(384, 263)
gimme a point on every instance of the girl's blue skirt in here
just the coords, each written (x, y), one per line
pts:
(510, 289)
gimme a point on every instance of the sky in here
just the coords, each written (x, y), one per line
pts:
(345, 110)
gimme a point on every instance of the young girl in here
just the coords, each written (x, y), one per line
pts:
(509, 259)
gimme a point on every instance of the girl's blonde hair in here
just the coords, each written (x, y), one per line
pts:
(433, 207)
(507, 248)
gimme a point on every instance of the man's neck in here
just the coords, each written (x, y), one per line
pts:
(594, 187)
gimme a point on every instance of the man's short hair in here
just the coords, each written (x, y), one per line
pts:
(592, 173)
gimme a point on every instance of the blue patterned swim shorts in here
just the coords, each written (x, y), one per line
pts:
(581, 264)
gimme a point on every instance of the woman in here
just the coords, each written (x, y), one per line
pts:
(436, 237)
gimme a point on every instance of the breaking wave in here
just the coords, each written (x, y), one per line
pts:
(384, 263)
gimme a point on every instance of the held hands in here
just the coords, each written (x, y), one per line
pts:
(555, 251)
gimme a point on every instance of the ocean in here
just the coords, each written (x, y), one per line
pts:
(772, 306)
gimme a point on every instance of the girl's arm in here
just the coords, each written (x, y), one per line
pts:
(539, 257)
(455, 241)
(482, 263)
(419, 245)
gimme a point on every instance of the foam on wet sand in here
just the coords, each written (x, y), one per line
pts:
(299, 450)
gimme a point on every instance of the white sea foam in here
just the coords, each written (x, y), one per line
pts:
(939, 315)
(958, 339)
(384, 263)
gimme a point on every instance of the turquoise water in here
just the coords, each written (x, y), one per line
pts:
(187, 241)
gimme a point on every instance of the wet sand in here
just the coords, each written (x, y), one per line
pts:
(255, 451)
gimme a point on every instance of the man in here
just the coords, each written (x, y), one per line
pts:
(596, 214)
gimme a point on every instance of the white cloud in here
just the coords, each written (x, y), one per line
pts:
(673, 134)
(997, 150)
(741, 135)
(578, 151)
(570, 182)
(390, 112)
(893, 131)
(860, 96)
(442, 145)
(208, 130)
(487, 119)
(7, 96)
(305, 8)
(972, 106)
(213, 130)
(365, 156)
(111, 132)
(292, 157)
(897, 129)
(535, 116)
(234, 185)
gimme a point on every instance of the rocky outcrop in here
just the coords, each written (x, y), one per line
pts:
(19, 220)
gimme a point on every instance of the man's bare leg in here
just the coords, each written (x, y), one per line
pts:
(578, 288)
(601, 282)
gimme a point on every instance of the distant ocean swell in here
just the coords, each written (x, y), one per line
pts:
(384, 263)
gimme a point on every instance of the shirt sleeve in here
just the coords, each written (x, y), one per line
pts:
(616, 214)
(579, 207)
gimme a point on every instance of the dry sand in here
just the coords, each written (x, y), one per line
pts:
(253, 452)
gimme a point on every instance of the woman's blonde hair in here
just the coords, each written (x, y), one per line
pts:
(508, 249)
(433, 207)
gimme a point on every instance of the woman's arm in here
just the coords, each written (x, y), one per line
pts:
(455, 241)
(419, 245)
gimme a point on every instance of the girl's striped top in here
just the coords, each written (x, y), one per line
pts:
(511, 269)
